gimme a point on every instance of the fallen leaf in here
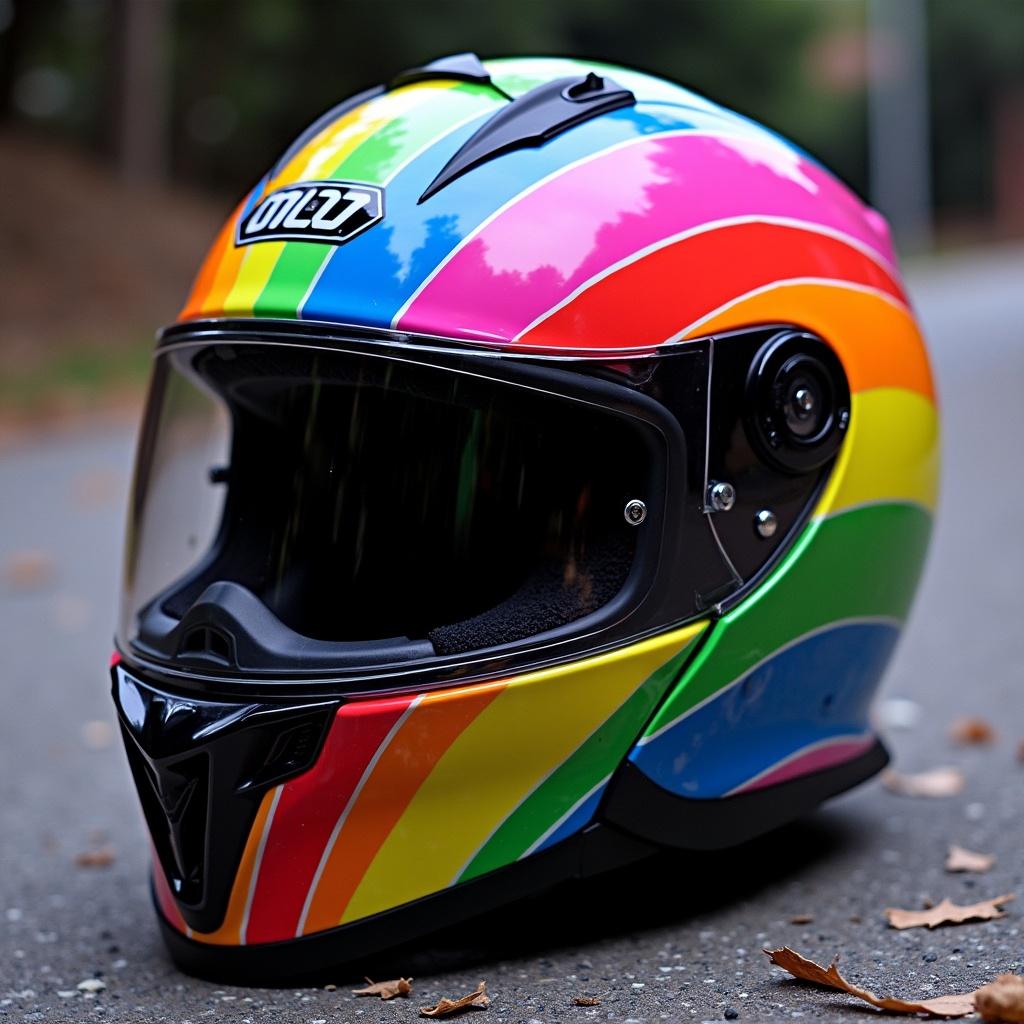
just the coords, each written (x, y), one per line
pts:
(477, 1000)
(29, 570)
(933, 783)
(1002, 999)
(586, 1001)
(947, 912)
(959, 859)
(1020, 751)
(971, 731)
(99, 858)
(802, 919)
(385, 989)
(807, 970)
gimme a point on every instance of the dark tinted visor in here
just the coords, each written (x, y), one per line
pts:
(372, 498)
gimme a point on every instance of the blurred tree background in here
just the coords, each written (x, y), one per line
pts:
(105, 104)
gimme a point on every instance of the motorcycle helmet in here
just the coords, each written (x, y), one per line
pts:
(538, 475)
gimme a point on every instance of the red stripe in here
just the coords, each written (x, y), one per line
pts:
(650, 300)
(307, 811)
(164, 897)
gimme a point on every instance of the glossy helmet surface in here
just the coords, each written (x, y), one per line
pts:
(539, 221)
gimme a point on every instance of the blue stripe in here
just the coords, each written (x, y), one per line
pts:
(816, 690)
(370, 278)
(579, 818)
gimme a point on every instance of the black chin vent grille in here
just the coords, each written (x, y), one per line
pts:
(289, 752)
(175, 800)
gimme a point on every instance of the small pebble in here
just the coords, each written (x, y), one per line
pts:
(91, 985)
(730, 1013)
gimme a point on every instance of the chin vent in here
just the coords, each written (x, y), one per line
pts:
(209, 643)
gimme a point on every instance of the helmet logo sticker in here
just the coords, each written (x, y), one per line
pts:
(332, 212)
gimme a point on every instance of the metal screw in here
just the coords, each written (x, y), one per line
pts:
(721, 496)
(804, 400)
(635, 512)
(766, 523)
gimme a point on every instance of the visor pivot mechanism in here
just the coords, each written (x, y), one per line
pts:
(635, 512)
(721, 496)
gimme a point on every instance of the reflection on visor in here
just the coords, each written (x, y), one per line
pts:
(362, 498)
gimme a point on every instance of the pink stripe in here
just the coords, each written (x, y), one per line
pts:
(814, 760)
(541, 248)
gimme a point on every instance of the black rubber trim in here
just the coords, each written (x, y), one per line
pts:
(650, 812)
(314, 958)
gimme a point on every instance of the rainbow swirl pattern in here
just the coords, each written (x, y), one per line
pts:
(670, 220)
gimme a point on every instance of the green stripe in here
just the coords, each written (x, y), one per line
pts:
(861, 563)
(593, 761)
(374, 160)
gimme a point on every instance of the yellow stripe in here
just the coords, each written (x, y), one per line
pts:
(890, 454)
(514, 744)
(319, 159)
(326, 150)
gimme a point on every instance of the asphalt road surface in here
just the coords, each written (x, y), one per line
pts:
(678, 938)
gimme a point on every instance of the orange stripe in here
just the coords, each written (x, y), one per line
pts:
(876, 338)
(199, 296)
(229, 933)
(410, 757)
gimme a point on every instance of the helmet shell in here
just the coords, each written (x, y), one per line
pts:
(660, 222)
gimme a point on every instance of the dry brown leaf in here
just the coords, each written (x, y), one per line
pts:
(1020, 751)
(476, 1000)
(947, 912)
(100, 858)
(807, 970)
(29, 570)
(933, 783)
(1002, 999)
(385, 989)
(971, 731)
(959, 859)
(802, 919)
(586, 1001)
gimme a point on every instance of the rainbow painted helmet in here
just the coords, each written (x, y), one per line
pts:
(539, 474)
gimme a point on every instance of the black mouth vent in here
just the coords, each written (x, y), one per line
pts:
(201, 769)
(175, 800)
(209, 643)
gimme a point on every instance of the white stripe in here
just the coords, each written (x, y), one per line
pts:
(713, 225)
(831, 741)
(387, 181)
(564, 818)
(256, 864)
(367, 772)
(857, 620)
(624, 144)
(789, 282)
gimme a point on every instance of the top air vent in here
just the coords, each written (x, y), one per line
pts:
(533, 119)
(462, 67)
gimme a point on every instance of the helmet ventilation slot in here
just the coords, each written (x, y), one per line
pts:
(208, 642)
